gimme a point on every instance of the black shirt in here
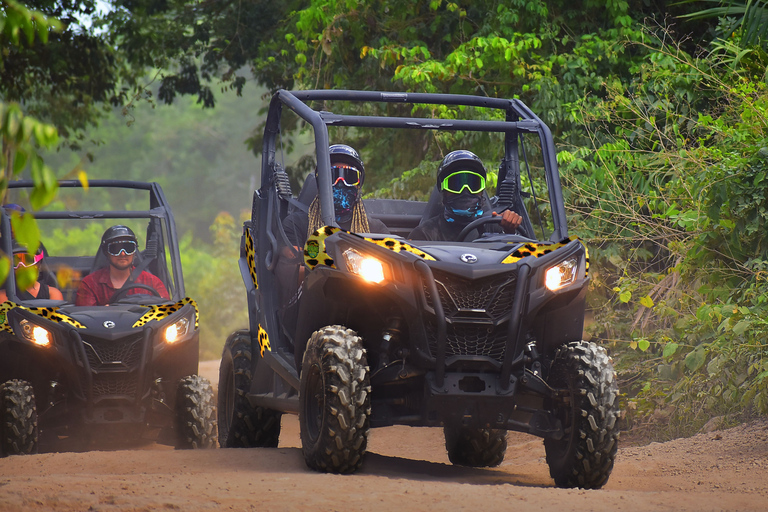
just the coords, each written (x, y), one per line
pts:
(438, 229)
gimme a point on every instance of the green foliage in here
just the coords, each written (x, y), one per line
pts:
(673, 194)
(212, 278)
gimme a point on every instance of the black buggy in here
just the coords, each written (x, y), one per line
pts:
(355, 331)
(76, 377)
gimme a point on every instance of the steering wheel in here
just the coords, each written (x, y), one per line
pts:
(474, 224)
(124, 290)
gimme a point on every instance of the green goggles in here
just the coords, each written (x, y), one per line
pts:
(459, 180)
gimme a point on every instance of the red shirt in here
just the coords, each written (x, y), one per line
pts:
(96, 288)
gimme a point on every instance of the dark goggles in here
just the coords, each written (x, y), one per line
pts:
(459, 180)
(346, 173)
(25, 260)
(126, 246)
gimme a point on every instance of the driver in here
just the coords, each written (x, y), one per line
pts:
(461, 181)
(119, 245)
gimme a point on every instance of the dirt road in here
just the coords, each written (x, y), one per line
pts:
(406, 469)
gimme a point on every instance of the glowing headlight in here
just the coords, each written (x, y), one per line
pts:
(367, 267)
(36, 334)
(177, 330)
(562, 274)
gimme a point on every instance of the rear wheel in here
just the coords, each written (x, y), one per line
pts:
(334, 401)
(475, 447)
(240, 424)
(584, 456)
(195, 413)
(18, 428)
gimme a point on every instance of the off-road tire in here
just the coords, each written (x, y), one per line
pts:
(475, 447)
(584, 457)
(18, 428)
(240, 424)
(334, 401)
(195, 414)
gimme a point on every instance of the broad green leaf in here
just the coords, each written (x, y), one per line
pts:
(643, 344)
(670, 349)
(695, 360)
(741, 327)
(647, 301)
(5, 268)
(26, 232)
(625, 296)
(25, 277)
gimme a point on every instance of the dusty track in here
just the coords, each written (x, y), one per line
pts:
(405, 469)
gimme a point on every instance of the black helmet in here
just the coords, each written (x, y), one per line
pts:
(459, 160)
(347, 155)
(118, 232)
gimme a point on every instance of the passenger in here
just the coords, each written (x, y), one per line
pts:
(119, 245)
(348, 175)
(38, 290)
(461, 181)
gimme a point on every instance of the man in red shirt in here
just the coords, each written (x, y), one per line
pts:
(119, 245)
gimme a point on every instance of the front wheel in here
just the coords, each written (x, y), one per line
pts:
(475, 447)
(18, 425)
(589, 411)
(334, 401)
(195, 414)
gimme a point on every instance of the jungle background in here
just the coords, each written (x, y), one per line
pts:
(659, 111)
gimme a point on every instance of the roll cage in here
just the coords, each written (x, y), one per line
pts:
(160, 228)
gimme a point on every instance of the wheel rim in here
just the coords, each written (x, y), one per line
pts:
(314, 405)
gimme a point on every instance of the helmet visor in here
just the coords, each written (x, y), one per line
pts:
(349, 174)
(25, 260)
(124, 246)
(459, 180)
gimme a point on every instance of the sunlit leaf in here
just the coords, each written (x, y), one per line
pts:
(26, 231)
(5, 268)
(82, 176)
(25, 277)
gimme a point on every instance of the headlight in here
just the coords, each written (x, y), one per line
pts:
(367, 267)
(38, 335)
(176, 330)
(562, 274)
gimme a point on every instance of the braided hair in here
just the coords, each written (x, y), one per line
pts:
(359, 218)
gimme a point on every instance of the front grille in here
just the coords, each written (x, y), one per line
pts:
(110, 384)
(488, 298)
(474, 310)
(470, 340)
(125, 352)
(114, 365)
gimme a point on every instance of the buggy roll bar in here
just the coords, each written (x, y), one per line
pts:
(158, 204)
(519, 118)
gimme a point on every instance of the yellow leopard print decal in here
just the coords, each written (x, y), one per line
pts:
(314, 249)
(250, 254)
(163, 311)
(264, 341)
(49, 313)
(5, 307)
(399, 246)
(542, 249)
